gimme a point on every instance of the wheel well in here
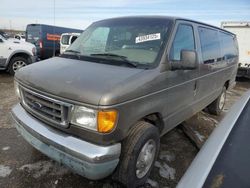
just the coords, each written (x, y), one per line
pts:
(21, 54)
(227, 84)
(156, 120)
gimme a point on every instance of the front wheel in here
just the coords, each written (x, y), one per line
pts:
(217, 106)
(16, 63)
(139, 152)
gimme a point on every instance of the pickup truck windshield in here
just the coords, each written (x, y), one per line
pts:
(136, 41)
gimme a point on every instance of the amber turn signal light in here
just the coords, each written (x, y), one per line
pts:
(106, 121)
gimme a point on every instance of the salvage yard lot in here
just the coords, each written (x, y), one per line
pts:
(22, 166)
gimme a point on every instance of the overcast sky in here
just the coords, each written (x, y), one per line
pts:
(16, 14)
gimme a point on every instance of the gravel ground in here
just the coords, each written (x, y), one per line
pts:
(22, 166)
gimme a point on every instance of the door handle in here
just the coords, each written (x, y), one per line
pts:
(195, 87)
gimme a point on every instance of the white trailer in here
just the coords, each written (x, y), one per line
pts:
(242, 31)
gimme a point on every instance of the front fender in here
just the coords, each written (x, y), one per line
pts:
(17, 52)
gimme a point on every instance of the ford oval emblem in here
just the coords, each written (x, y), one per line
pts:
(37, 105)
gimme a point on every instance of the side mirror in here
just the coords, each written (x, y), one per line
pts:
(188, 61)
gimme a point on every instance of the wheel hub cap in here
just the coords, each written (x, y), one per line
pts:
(18, 64)
(222, 100)
(145, 158)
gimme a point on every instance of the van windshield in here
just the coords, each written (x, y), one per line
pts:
(138, 40)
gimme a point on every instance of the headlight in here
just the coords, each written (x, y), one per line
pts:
(84, 117)
(101, 121)
(17, 90)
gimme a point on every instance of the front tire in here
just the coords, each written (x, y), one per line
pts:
(217, 106)
(16, 63)
(139, 152)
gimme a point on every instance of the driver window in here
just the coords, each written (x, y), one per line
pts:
(184, 40)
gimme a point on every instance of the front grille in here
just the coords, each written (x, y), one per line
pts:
(46, 108)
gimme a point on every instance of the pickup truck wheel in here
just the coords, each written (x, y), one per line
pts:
(17, 63)
(139, 152)
(217, 106)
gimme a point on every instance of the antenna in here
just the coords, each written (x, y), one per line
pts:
(54, 41)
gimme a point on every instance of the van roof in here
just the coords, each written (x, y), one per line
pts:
(37, 24)
(71, 34)
(174, 19)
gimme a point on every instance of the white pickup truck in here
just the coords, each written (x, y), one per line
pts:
(15, 54)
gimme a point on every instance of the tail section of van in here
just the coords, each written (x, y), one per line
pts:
(46, 38)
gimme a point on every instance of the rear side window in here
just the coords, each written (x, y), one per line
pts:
(184, 40)
(228, 46)
(210, 45)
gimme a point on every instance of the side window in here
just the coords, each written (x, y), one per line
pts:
(210, 45)
(184, 40)
(73, 38)
(228, 47)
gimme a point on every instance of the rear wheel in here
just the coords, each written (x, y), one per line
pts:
(139, 153)
(16, 63)
(217, 106)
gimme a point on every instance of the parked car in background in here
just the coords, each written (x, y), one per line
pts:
(46, 38)
(20, 37)
(66, 40)
(128, 81)
(242, 32)
(15, 54)
(5, 35)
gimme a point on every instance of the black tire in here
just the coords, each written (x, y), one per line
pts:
(141, 134)
(217, 106)
(13, 62)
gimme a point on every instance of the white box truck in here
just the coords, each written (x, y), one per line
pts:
(242, 31)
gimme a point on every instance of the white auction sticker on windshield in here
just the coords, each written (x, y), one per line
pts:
(145, 38)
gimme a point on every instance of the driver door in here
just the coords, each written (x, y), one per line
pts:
(182, 84)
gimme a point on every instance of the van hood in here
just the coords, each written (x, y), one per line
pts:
(81, 81)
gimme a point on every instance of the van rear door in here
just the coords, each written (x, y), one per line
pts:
(64, 42)
(33, 34)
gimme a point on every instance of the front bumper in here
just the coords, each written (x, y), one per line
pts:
(87, 159)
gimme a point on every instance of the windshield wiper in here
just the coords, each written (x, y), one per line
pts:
(74, 51)
(123, 58)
